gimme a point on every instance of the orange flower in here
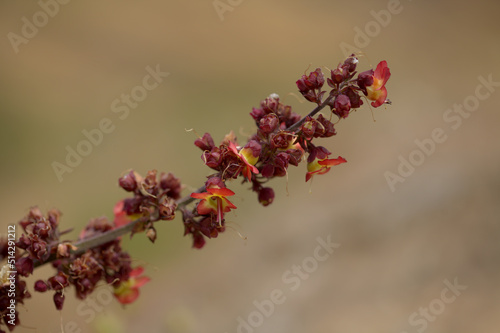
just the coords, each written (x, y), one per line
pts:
(128, 291)
(322, 166)
(214, 201)
(376, 90)
(247, 156)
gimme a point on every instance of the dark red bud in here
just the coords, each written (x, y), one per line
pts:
(266, 196)
(172, 184)
(267, 171)
(269, 123)
(214, 182)
(365, 79)
(59, 300)
(41, 286)
(205, 143)
(308, 128)
(128, 182)
(257, 114)
(24, 266)
(329, 129)
(351, 63)
(341, 106)
(59, 281)
(198, 240)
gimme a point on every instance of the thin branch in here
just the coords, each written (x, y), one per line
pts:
(311, 114)
(100, 239)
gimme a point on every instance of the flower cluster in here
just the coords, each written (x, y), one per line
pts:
(154, 199)
(282, 139)
(41, 243)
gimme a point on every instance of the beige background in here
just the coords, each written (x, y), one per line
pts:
(397, 247)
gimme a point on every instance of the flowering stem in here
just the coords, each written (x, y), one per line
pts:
(311, 114)
(89, 243)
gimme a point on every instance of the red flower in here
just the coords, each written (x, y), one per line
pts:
(214, 201)
(373, 83)
(128, 291)
(322, 166)
(121, 217)
(249, 156)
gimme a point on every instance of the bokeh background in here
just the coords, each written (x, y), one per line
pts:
(397, 247)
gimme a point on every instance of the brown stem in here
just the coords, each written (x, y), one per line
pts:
(88, 243)
(311, 114)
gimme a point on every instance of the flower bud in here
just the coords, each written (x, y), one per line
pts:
(269, 123)
(59, 300)
(267, 171)
(266, 196)
(270, 104)
(282, 140)
(205, 143)
(354, 97)
(329, 129)
(257, 114)
(24, 266)
(41, 286)
(128, 182)
(341, 106)
(171, 184)
(59, 281)
(308, 128)
(350, 63)
(338, 76)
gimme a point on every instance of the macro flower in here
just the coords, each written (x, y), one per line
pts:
(310, 86)
(342, 105)
(128, 291)
(249, 155)
(372, 83)
(121, 217)
(320, 166)
(214, 201)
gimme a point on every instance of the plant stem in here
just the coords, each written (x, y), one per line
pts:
(311, 114)
(88, 243)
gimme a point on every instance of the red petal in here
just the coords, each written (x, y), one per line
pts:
(136, 271)
(382, 72)
(228, 205)
(203, 195)
(223, 192)
(205, 208)
(139, 282)
(128, 297)
(333, 161)
(381, 99)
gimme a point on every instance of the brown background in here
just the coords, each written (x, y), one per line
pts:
(397, 247)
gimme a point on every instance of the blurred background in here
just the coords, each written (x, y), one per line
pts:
(400, 246)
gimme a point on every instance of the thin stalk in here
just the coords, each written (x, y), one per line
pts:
(85, 244)
(311, 114)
